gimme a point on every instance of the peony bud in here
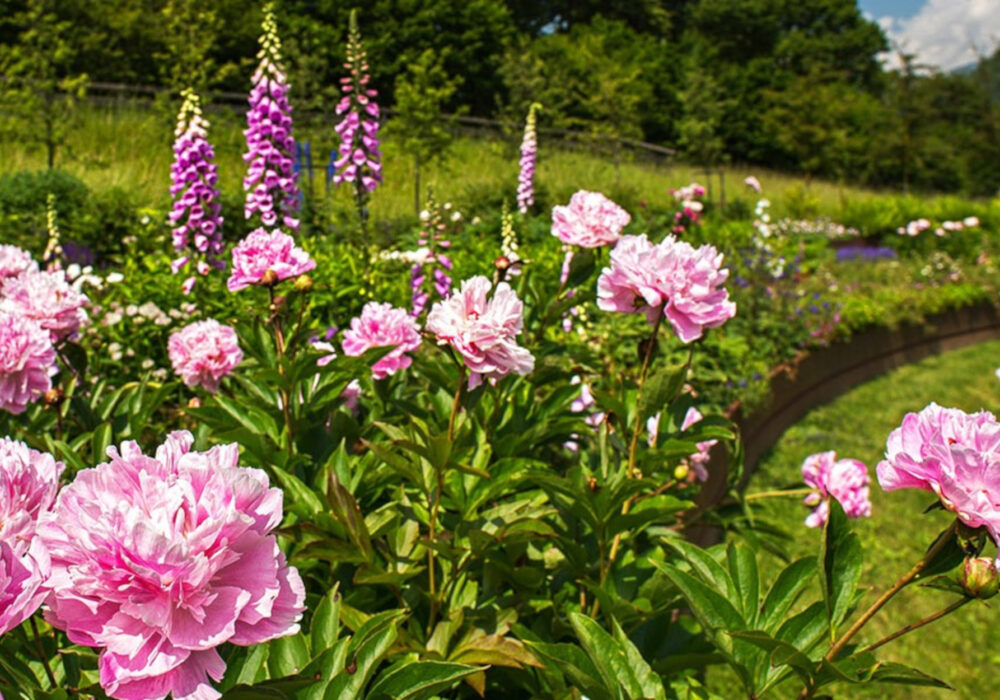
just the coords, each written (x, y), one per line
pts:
(303, 283)
(979, 578)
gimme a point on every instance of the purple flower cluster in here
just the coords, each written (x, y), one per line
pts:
(359, 160)
(865, 252)
(529, 153)
(196, 214)
(271, 182)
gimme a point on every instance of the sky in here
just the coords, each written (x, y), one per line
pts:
(942, 33)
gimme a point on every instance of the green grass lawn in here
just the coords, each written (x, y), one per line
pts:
(125, 145)
(963, 649)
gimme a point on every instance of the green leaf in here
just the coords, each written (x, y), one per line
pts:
(419, 679)
(288, 655)
(781, 653)
(900, 674)
(660, 389)
(581, 267)
(247, 668)
(746, 577)
(302, 500)
(785, 590)
(575, 664)
(367, 650)
(649, 682)
(840, 564)
(711, 608)
(950, 556)
(100, 440)
(705, 566)
(325, 628)
(345, 509)
(607, 655)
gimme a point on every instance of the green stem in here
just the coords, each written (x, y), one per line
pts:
(868, 614)
(41, 652)
(917, 625)
(630, 470)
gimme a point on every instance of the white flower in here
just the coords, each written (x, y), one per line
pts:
(425, 215)
(114, 278)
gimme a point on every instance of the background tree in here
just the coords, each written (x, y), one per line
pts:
(39, 92)
(421, 94)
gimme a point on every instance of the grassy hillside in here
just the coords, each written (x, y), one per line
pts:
(128, 146)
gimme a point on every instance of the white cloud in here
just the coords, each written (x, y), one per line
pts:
(946, 33)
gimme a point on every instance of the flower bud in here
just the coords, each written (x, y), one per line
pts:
(979, 577)
(53, 396)
(194, 402)
(681, 472)
(303, 283)
(501, 263)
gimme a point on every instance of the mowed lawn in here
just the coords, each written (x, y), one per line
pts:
(962, 649)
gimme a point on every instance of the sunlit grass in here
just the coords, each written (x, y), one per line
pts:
(964, 648)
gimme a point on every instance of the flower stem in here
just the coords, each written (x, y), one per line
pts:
(868, 614)
(456, 404)
(637, 428)
(630, 470)
(41, 652)
(917, 625)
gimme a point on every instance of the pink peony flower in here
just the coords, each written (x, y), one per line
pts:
(955, 455)
(380, 326)
(843, 479)
(14, 261)
(684, 281)
(483, 331)
(29, 480)
(698, 460)
(591, 220)
(28, 483)
(159, 560)
(204, 352)
(27, 359)
(261, 251)
(46, 297)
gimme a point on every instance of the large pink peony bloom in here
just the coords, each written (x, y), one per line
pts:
(843, 479)
(684, 281)
(591, 220)
(379, 326)
(28, 483)
(483, 331)
(26, 361)
(260, 252)
(14, 261)
(46, 297)
(159, 560)
(953, 454)
(204, 352)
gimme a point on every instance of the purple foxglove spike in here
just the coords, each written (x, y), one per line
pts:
(359, 161)
(197, 231)
(270, 144)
